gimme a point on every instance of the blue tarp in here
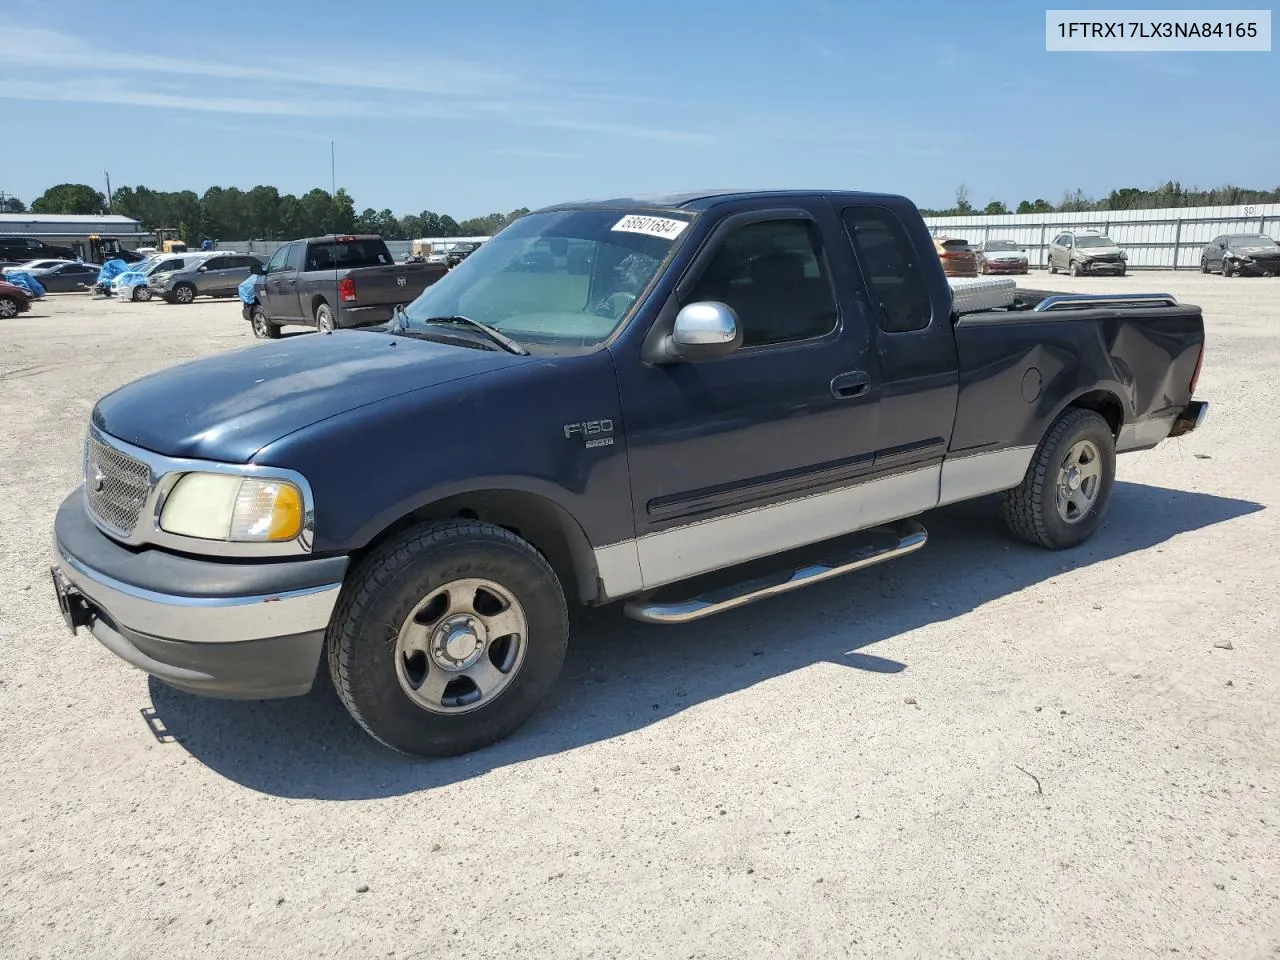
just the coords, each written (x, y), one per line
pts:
(20, 278)
(131, 278)
(248, 290)
(110, 270)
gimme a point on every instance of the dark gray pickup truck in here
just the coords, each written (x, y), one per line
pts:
(332, 282)
(682, 404)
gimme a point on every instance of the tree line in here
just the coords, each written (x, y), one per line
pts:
(1170, 194)
(263, 213)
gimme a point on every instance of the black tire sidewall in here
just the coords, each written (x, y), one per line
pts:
(177, 293)
(1095, 429)
(13, 309)
(385, 591)
(322, 311)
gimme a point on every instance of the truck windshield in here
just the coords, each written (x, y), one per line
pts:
(1094, 242)
(1251, 240)
(1002, 245)
(560, 278)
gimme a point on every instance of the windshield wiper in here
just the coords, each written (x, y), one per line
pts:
(499, 338)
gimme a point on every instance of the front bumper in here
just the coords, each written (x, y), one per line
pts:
(1102, 266)
(221, 628)
(1006, 266)
(1256, 268)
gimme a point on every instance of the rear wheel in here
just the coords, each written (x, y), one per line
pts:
(1064, 495)
(448, 638)
(263, 328)
(324, 318)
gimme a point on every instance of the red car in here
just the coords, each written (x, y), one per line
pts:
(13, 300)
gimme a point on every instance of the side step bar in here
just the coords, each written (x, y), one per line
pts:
(910, 536)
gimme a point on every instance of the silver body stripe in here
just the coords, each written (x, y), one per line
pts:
(694, 548)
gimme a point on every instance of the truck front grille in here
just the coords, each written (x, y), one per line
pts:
(116, 484)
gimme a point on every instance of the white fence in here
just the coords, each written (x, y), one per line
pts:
(1169, 239)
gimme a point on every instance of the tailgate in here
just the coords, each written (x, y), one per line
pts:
(394, 283)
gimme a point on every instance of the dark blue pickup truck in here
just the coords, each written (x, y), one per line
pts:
(683, 403)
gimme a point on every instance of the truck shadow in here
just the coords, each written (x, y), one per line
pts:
(621, 676)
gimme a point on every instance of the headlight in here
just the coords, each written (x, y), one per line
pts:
(218, 506)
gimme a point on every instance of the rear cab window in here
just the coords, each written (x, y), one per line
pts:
(347, 254)
(890, 266)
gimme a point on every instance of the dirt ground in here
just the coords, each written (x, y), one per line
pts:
(979, 750)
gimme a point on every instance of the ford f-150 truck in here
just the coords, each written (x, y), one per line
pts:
(334, 281)
(694, 402)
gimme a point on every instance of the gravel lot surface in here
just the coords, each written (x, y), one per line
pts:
(980, 750)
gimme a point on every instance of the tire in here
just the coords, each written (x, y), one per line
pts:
(1052, 268)
(1204, 265)
(324, 319)
(141, 294)
(9, 308)
(1074, 269)
(1226, 268)
(263, 328)
(1122, 272)
(395, 593)
(183, 293)
(1031, 509)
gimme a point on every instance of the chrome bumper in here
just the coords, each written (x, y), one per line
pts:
(1191, 417)
(201, 619)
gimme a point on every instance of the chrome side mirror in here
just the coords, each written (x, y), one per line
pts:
(705, 330)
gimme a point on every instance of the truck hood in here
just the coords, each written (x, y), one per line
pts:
(228, 407)
(1089, 253)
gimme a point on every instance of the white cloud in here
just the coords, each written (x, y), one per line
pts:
(38, 47)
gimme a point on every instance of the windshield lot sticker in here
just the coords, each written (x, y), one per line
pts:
(661, 227)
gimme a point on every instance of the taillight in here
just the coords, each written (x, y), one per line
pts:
(347, 289)
(1195, 376)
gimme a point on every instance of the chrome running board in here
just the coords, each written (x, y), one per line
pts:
(910, 536)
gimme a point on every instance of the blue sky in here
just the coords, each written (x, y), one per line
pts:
(468, 108)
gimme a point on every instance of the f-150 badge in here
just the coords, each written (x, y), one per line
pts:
(594, 432)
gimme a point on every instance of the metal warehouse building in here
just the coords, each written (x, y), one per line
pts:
(1154, 239)
(52, 226)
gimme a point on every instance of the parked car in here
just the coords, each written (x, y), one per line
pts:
(460, 252)
(67, 277)
(957, 257)
(31, 265)
(21, 249)
(1086, 252)
(748, 392)
(13, 300)
(335, 281)
(204, 274)
(1241, 253)
(1000, 256)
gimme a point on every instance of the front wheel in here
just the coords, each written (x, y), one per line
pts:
(1052, 267)
(1226, 268)
(8, 308)
(141, 294)
(1075, 268)
(448, 638)
(184, 293)
(1062, 498)
(263, 328)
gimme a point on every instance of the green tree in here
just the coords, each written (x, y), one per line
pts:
(344, 212)
(12, 205)
(73, 198)
(995, 207)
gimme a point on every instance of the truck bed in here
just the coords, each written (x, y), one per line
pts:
(1140, 348)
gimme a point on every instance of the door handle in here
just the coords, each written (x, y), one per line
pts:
(854, 383)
